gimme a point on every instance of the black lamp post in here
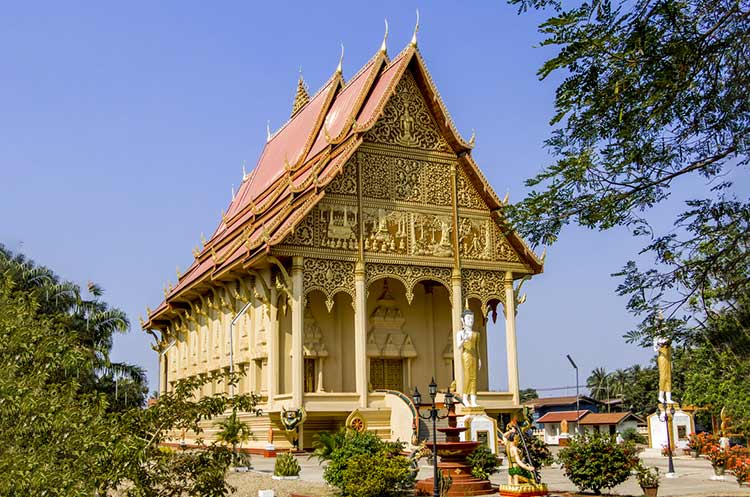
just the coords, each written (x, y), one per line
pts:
(667, 412)
(433, 415)
(576, 368)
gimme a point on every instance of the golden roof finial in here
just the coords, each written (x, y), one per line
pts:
(302, 97)
(473, 138)
(179, 274)
(544, 255)
(339, 69)
(268, 131)
(506, 198)
(416, 29)
(385, 37)
(244, 172)
(203, 239)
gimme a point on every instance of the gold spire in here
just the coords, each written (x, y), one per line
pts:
(383, 47)
(340, 67)
(302, 97)
(416, 29)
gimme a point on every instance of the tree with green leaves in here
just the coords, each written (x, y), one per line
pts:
(61, 437)
(654, 94)
(528, 394)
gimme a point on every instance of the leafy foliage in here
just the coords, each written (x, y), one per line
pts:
(647, 477)
(483, 462)
(632, 435)
(233, 431)
(90, 323)
(528, 394)
(654, 93)
(286, 465)
(59, 432)
(540, 454)
(594, 461)
(636, 386)
(361, 464)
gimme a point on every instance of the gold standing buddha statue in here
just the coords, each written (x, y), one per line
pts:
(468, 341)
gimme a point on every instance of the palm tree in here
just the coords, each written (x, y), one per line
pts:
(598, 384)
(90, 319)
(233, 432)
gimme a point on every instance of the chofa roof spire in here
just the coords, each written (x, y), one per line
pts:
(302, 96)
(416, 30)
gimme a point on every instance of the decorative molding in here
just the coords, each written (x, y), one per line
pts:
(403, 179)
(483, 285)
(329, 277)
(409, 276)
(406, 120)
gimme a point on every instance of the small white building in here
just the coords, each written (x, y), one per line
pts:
(559, 424)
(610, 422)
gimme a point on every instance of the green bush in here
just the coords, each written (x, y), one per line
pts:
(360, 464)
(632, 435)
(594, 461)
(286, 465)
(483, 462)
(538, 450)
(377, 475)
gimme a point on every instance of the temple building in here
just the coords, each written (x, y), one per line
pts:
(337, 276)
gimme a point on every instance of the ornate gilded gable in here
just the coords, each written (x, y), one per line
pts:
(407, 121)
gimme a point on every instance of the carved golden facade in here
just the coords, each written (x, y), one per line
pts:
(358, 276)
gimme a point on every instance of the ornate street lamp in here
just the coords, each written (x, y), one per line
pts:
(433, 415)
(667, 412)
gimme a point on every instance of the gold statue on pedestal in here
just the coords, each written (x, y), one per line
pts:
(468, 341)
(663, 348)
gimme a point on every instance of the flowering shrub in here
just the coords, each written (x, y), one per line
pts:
(740, 467)
(700, 442)
(718, 456)
(665, 450)
(737, 454)
(595, 461)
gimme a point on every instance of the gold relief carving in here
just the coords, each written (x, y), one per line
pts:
(503, 250)
(406, 180)
(407, 121)
(483, 285)
(475, 238)
(329, 277)
(409, 276)
(467, 194)
(346, 182)
(303, 232)
(402, 233)
(338, 225)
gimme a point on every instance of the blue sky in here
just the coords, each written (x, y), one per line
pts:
(124, 126)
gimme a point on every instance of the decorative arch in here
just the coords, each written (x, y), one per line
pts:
(408, 275)
(488, 287)
(329, 277)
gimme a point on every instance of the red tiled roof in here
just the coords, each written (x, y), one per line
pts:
(301, 158)
(605, 418)
(557, 417)
(558, 401)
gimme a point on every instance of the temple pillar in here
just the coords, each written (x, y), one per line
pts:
(298, 324)
(510, 337)
(270, 312)
(163, 365)
(360, 331)
(458, 372)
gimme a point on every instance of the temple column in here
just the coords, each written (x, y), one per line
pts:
(298, 324)
(163, 365)
(510, 337)
(458, 371)
(272, 338)
(360, 331)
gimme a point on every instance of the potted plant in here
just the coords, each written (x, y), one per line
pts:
(718, 458)
(286, 467)
(648, 479)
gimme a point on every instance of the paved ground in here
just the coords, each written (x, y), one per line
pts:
(693, 478)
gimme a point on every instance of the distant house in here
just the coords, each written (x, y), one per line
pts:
(558, 422)
(546, 405)
(610, 422)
